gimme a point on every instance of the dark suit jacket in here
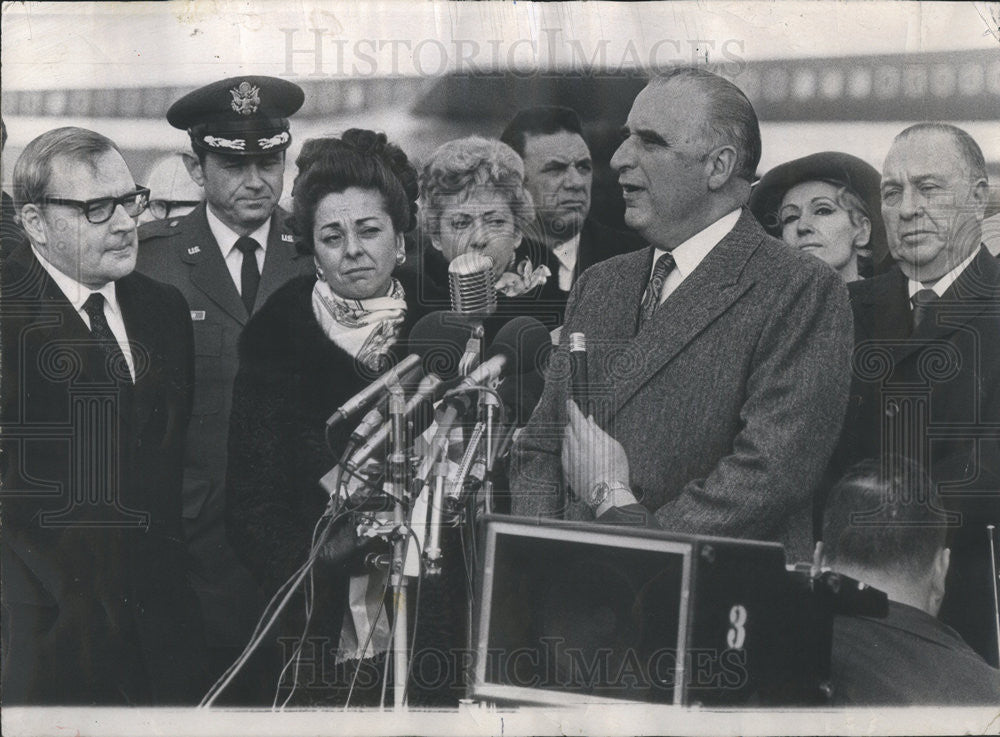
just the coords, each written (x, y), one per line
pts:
(597, 243)
(97, 609)
(11, 233)
(183, 252)
(728, 402)
(950, 367)
(907, 659)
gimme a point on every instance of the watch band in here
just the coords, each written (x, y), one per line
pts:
(615, 494)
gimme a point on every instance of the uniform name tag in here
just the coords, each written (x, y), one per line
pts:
(197, 314)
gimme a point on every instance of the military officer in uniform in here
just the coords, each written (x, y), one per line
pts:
(227, 256)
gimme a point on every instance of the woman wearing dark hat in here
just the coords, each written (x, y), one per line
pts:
(316, 342)
(827, 204)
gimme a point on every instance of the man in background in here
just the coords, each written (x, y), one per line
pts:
(227, 256)
(880, 528)
(172, 192)
(559, 172)
(11, 233)
(926, 383)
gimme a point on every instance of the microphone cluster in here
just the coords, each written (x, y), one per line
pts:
(426, 388)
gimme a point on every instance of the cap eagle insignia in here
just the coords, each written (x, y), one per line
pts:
(246, 98)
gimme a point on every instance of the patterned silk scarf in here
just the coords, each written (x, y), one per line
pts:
(365, 328)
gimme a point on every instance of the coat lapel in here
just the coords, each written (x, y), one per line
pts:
(972, 292)
(700, 299)
(281, 260)
(883, 311)
(54, 318)
(208, 268)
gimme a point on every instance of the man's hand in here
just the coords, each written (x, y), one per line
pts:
(590, 456)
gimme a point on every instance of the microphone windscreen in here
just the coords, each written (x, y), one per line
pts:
(525, 343)
(439, 338)
(470, 282)
(520, 394)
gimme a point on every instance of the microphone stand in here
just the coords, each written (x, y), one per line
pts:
(396, 488)
(489, 401)
(991, 533)
(432, 549)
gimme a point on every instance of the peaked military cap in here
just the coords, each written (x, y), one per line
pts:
(245, 116)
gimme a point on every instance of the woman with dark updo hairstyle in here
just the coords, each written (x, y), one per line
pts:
(316, 342)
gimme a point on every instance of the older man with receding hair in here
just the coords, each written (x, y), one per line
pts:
(718, 358)
(97, 371)
(927, 357)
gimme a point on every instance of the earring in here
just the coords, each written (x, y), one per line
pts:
(400, 258)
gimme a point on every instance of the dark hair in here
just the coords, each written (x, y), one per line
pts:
(34, 167)
(359, 158)
(731, 117)
(885, 519)
(538, 121)
(965, 143)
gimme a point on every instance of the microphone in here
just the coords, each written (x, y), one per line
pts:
(404, 372)
(520, 395)
(470, 281)
(440, 339)
(578, 368)
(419, 411)
(522, 345)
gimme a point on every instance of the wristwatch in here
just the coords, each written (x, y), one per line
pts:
(602, 492)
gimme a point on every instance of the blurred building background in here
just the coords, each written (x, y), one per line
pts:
(824, 84)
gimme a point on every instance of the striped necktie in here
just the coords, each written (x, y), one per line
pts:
(651, 298)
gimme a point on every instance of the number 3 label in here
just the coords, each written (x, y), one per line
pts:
(737, 633)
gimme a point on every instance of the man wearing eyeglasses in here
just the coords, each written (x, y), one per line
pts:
(173, 192)
(97, 374)
(227, 257)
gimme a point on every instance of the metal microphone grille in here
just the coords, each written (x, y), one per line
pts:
(470, 279)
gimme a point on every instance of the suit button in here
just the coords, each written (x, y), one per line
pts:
(891, 408)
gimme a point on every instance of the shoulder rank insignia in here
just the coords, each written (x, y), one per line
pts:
(246, 98)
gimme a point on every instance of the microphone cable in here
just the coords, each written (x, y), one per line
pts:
(274, 608)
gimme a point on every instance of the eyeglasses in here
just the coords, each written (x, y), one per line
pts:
(100, 209)
(161, 209)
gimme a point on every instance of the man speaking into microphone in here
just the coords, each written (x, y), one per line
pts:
(718, 358)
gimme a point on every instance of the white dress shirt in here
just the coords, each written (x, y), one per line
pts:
(692, 252)
(567, 253)
(942, 284)
(78, 294)
(233, 257)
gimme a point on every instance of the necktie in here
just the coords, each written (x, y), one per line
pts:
(923, 301)
(249, 273)
(99, 328)
(651, 297)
